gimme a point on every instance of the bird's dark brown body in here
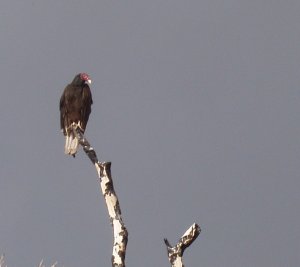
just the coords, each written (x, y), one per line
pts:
(75, 107)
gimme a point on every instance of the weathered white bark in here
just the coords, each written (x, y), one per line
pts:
(175, 253)
(120, 232)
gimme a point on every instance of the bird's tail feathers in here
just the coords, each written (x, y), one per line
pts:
(71, 145)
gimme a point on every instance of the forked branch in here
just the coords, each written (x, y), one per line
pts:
(175, 253)
(120, 232)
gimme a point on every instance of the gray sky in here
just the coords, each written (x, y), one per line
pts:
(196, 103)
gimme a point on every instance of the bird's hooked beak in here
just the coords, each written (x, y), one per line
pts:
(89, 81)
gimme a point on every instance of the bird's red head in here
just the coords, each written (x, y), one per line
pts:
(85, 77)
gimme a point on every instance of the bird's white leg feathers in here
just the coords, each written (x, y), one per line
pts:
(72, 145)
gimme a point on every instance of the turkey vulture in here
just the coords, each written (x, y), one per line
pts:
(75, 108)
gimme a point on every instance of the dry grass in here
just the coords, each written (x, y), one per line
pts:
(2, 263)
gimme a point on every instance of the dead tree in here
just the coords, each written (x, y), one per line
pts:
(120, 232)
(175, 253)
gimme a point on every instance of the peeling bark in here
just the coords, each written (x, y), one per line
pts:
(120, 232)
(175, 253)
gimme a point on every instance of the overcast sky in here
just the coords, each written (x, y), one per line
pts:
(196, 103)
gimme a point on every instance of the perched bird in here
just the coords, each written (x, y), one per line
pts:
(75, 108)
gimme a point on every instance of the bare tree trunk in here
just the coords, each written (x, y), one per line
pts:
(120, 232)
(175, 253)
